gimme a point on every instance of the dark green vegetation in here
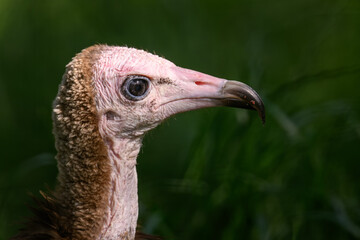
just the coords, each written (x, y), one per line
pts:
(215, 173)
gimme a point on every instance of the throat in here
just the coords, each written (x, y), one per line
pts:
(122, 210)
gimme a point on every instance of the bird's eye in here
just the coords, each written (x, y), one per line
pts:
(136, 87)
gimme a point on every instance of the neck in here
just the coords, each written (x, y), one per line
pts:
(122, 209)
(97, 190)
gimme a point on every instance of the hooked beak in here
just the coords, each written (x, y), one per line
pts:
(240, 95)
(194, 90)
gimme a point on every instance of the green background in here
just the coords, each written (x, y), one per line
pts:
(214, 173)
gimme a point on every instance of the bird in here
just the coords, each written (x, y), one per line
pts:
(108, 99)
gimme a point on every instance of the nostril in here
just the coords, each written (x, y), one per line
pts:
(200, 83)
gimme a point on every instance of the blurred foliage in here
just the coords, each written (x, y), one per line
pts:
(214, 173)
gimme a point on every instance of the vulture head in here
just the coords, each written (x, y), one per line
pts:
(108, 99)
(136, 90)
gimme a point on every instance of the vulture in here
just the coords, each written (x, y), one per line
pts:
(108, 99)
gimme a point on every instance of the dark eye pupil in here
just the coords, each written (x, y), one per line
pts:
(138, 87)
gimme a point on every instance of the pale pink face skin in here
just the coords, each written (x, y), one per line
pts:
(173, 89)
(123, 122)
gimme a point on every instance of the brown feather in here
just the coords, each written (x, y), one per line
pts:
(77, 208)
(45, 222)
(84, 168)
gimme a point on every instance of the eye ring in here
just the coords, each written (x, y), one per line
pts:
(136, 87)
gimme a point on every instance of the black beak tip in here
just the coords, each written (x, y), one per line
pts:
(261, 112)
(258, 105)
(238, 94)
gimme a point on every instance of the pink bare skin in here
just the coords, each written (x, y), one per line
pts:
(125, 119)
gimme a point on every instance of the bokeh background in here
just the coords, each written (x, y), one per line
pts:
(214, 173)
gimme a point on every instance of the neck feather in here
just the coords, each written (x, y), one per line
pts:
(83, 162)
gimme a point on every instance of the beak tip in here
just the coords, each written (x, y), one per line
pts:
(262, 116)
(243, 96)
(261, 111)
